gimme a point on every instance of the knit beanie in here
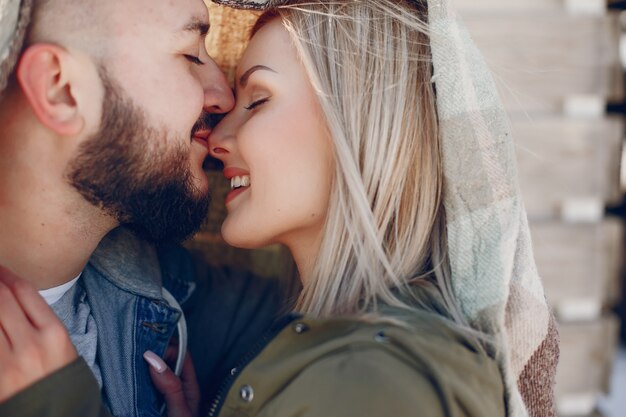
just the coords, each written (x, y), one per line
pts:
(14, 20)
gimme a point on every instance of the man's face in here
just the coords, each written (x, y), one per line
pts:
(151, 190)
(144, 166)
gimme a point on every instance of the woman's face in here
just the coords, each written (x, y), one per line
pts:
(276, 151)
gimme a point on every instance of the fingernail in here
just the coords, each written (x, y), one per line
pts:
(155, 361)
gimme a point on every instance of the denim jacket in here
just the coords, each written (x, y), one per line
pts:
(123, 280)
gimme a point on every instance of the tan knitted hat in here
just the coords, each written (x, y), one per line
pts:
(229, 35)
(14, 19)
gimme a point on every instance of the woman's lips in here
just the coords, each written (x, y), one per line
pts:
(231, 172)
(235, 193)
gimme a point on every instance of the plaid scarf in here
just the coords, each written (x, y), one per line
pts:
(494, 275)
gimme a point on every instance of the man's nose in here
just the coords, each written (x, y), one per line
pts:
(218, 96)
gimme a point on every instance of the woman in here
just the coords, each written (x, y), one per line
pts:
(335, 150)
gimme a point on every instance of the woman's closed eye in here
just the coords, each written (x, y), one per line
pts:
(257, 103)
(193, 59)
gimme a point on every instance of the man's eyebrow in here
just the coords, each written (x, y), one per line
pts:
(243, 80)
(197, 24)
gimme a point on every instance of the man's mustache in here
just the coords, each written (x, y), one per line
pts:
(207, 121)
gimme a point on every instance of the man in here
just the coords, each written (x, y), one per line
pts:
(104, 109)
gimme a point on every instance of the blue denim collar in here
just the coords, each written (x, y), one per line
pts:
(129, 263)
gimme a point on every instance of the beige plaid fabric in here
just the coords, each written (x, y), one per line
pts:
(493, 268)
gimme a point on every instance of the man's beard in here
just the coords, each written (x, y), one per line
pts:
(128, 170)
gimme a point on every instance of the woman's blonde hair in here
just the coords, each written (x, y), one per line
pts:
(370, 64)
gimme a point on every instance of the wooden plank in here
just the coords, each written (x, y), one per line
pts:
(563, 161)
(587, 352)
(467, 7)
(540, 59)
(595, 413)
(586, 6)
(519, 6)
(580, 265)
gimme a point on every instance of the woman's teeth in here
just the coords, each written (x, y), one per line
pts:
(236, 182)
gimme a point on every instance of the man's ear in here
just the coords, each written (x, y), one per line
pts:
(44, 75)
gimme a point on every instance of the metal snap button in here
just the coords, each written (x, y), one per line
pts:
(246, 393)
(381, 337)
(300, 328)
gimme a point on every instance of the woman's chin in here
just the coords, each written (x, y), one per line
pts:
(240, 239)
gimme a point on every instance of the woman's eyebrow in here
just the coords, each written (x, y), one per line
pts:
(243, 80)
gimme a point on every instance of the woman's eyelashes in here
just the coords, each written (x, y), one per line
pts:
(257, 103)
(193, 59)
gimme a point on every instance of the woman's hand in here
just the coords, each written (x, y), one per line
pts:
(33, 342)
(182, 395)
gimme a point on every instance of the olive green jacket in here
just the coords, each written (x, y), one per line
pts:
(350, 368)
(328, 368)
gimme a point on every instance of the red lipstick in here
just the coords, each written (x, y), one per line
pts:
(234, 194)
(231, 172)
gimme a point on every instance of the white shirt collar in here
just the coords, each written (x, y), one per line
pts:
(54, 294)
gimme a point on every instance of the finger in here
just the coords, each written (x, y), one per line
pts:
(32, 304)
(5, 346)
(171, 355)
(168, 384)
(190, 384)
(7, 276)
(13, 320)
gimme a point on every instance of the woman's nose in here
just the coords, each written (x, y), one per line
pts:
(220, 141)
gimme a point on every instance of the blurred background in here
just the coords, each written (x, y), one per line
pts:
(560, 66)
